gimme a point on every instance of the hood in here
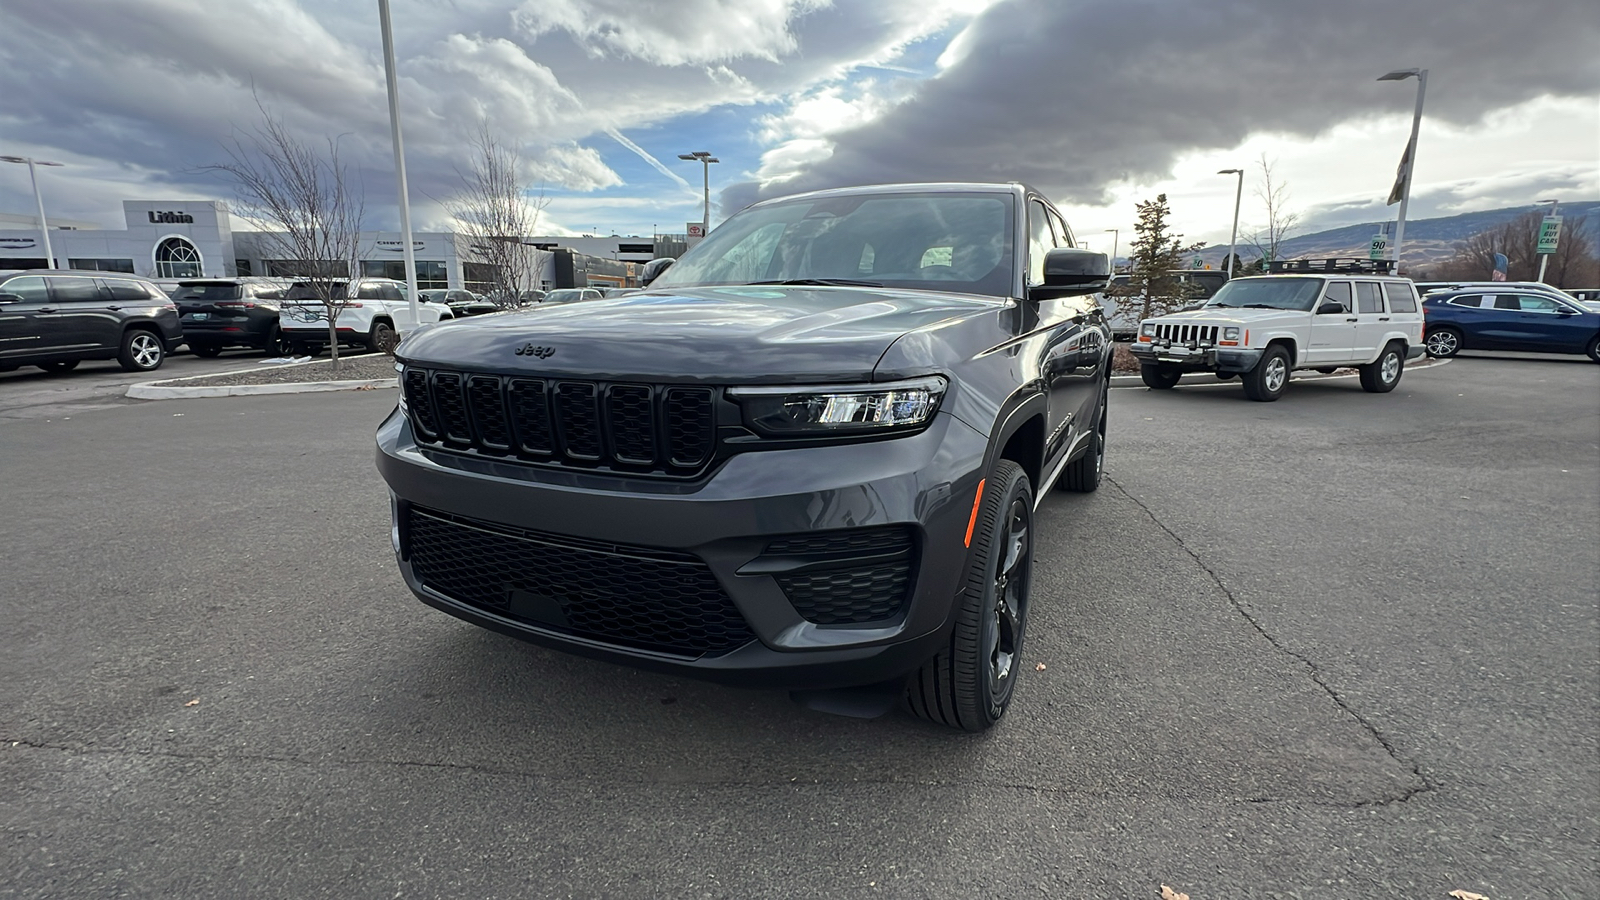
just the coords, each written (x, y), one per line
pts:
(773, 335)
(1218, 315)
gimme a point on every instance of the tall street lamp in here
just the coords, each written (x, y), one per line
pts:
(400, 161)
(1233, 236)
(1544, 258)
(706, 159)
(1115, 235)
(44, 228)
(1408, 163)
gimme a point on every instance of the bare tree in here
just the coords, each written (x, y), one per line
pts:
(1574, 263)
(1281, 218)
(304, 206)
(495, 210)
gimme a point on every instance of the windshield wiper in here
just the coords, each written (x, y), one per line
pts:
(1256, 306)
(824, 282)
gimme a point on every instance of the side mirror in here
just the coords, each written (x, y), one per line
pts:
(1560, 310)
(6, 297)
(1070, 272)
(654, 268)
(1330, 308)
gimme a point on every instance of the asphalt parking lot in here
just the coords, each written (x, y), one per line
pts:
(1341, 645)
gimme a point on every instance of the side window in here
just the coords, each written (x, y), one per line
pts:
(1538, 304)
(126, 290)
(1064, 236)
(29, 287)
(1472, 301)
(1401, 300)
(1338, 292)
(367, 290)
(66, 289)
(1506, 301)
(390, 292)
(1368, 298)
(1040, 241)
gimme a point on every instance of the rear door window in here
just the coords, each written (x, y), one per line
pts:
(1401, 300)
(1368, 298)
(131, 291)
(68, 289)
(368, 291)
(1470, 301)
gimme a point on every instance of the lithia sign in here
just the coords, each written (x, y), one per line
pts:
(160, 217)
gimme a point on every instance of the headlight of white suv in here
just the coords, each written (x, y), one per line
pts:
(781, 411)
(1230, 333)
(1148, 329)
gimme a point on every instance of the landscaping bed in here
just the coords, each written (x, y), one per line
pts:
(364, 367)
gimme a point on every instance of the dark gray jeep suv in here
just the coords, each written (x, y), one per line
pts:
(56, 318)
(806, 457)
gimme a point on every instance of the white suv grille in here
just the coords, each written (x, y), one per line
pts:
(1187, 334)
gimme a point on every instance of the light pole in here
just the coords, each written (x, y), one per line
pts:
(400, 162)
(1116, 234)
(38, 199)
(1233, 236)
(706, 159)
(1408, 163)
(1544, 258)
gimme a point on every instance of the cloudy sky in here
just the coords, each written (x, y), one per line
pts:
(1098, 102)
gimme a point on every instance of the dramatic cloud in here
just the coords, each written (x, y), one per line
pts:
(1077, 96)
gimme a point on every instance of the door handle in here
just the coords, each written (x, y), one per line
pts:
(47, 309)
(114, 308)
(1384, 319)
(1352, 319)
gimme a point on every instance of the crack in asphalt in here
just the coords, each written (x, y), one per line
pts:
(794, 782)
(1425, 784)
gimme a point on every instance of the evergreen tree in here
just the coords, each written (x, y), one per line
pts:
(1155, 254)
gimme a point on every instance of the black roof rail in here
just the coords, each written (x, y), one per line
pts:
(1336, 264)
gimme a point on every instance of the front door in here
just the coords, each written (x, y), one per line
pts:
(1539, 325)
(1333, 333)
(21, 329)
(82, 319)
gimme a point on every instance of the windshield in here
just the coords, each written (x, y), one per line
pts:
(1268, 293)
(567, 295)
(958, 242)
(432, 296)
(207, 292)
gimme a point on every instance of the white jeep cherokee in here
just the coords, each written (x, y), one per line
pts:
(374, 319)
(1261, 328)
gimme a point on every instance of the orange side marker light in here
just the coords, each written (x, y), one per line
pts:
(974, 519)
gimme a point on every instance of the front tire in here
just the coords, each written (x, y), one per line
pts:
(1159, 377)
(1381, 376)
(141, 351)
(1266, 382)
(1443, 343)
(1594, 348)
(60, 366)
(968, 684)
(276, 344)
(382, 339)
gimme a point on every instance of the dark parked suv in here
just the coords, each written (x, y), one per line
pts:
(806, 457)
(55, 319)
(231, 312)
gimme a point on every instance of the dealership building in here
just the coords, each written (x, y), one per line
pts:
(174, 239)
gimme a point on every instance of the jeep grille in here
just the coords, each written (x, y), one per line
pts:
(1186, 334)
(633, 428)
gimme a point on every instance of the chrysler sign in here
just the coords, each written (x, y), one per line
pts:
(399, 246)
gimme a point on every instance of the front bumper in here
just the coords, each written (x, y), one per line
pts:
(924, 483)
(1196, 358)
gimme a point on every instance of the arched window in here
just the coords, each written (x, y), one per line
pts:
(177, 258)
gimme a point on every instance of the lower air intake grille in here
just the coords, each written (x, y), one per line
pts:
(637, 597)
(846, 577)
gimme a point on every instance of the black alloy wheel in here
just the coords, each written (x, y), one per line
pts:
(382, 339)
(56, 368)
(969, 683)
(1443, 343)
(1083, 474)
(1381, 376)
(1159, 377)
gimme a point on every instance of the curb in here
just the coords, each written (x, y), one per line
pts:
(153, 391)
(1208, 379)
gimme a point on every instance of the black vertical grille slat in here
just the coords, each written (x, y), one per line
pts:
(630, 415)
(451, 408)
(421, 404)
(690, 426)
(529, 407)
(630, 428)
(578, 419)
(488, 412)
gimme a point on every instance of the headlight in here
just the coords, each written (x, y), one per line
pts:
(1148, 329)
(843, 409)
(1230, 333)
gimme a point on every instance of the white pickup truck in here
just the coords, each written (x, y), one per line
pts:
(376, 317)
(1262, 328)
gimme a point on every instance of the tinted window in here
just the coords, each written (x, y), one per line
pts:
(1506, 301)
(367, 290)
(1063, 236)
(389, 292)
(1040, 241)
(1368, 299)
(126, 290)
(1338, 292)
(302, 290)
(1401, 299)
(75, 290)
(30, 288)
(1537, 304)
(1470, 300)
(207, 292)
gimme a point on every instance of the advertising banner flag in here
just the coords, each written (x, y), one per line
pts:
(1501, 265)
(1402, 175)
